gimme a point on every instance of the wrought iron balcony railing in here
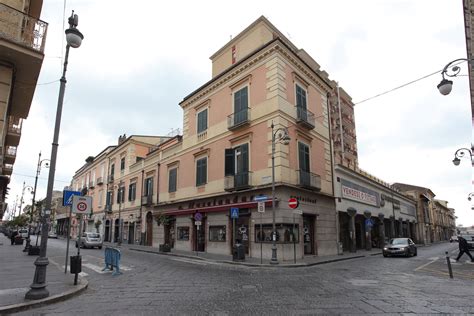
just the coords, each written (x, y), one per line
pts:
(22, 29)
(239, 181)
(108, 208)
(147, 200)
(305, 117)
(110, 178)
(309, 180)
(11, 150)
(238, 119)
(100, 181)
(14, 125)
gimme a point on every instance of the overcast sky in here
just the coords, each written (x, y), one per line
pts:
(140, 58)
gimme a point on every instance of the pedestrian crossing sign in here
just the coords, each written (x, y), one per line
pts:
(67, 197)
(234, 212)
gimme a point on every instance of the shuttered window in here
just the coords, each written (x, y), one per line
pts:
(201, 171)
(172, 180)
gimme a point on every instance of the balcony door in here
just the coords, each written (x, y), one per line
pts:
(237, 165)
(303, 157)
(240, 106)
(302, 112)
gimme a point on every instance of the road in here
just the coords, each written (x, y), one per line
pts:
(155, 284)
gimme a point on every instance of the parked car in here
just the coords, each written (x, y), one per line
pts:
(453, 238)
(90, 240)
(400, 247)
(52, 234)
(23, 233)
(470, 240)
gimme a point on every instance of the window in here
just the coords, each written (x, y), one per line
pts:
(102, 171)
(110, 198)
(148, 186)
(303, 157)
(112, 169)
(93, 177)
(217, 233)
(183, 233)
(202, 121)
(120, 195)
(201, 171)
(300, 97)
(284, 233)
(241, 105)
(237, 164)
(101, 198)
(122, 164)
(132, 191)
(172, 180)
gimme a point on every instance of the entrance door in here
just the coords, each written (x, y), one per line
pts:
(200, 239)
(149, 229)
(131, 233)
(116, 231)
(308, 234)
(169, 234)
(242, 231)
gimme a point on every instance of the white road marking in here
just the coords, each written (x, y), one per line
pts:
(93, 267)
(203, 263)
(433, 258)
(427, 264)
(83, 274)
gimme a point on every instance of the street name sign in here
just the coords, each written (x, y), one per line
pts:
(260, 198)
(298, 212)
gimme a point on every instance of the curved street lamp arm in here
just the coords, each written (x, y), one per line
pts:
(454, 69)
(461, 152)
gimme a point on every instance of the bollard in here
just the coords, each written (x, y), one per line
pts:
(449, 266)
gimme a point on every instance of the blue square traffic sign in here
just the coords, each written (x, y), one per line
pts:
(234, 212)
(67, 197)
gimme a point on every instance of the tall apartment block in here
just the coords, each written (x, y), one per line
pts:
(22, 41)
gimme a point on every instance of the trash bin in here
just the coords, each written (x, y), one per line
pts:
(34, 251)
(238, 253)
(76, 264)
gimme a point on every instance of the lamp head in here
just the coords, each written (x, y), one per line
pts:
(286, 139)
(456, 161)
(74, 37)
(445, 86)
(469, 199)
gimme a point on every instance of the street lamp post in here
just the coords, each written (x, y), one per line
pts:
(450, 70)
(38, 170)
(460, 153)
(38, 287)
(25, 187)
(284, 138)
(120, 196)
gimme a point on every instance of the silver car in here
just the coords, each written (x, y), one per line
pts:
(91, 240)
(400, 247)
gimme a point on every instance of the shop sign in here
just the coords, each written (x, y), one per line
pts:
(359, 193)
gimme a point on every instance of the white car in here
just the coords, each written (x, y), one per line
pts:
(453, 238)
(52, 234)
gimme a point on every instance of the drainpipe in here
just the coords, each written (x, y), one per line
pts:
(331, 147)
(142, 225)
(340, 123)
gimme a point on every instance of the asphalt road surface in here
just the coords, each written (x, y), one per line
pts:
(153, 284)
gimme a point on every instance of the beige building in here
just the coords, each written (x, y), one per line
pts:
(22, 41)
(444, 225)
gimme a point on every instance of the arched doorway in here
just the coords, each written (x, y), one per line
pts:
(107, 231)
(149, 229)
(116, 230)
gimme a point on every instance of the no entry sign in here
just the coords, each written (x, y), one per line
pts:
(81, 204)
(293, 203)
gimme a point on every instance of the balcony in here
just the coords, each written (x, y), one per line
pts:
(147, 200)
(108, 208)
(8, 169)
(308, 180)
(239, 181)
(238, 119)
(10, 154)
(22, 29)
(305, 118)
(91, 184)
(100, 181)
(110, 178)
(14, 131)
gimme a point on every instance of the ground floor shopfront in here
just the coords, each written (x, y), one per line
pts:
(208, 226)
(370, 212)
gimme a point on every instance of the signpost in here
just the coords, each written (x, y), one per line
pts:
(198, 223)
(67, 201)
(234, 213)
(80, 205)
(261, 210)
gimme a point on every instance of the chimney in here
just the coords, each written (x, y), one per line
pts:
(122, 138)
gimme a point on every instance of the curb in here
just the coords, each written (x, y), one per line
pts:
(4, 310)
(298, 265)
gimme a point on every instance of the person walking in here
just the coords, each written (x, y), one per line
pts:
(13, 236)
(463, 249)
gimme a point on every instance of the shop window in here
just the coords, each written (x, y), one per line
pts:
(183, 233)
(284, 233)
(217, 233)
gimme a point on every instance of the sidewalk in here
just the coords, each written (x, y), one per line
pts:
(16, 275)
(253, 262)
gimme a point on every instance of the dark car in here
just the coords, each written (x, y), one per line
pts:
(400, 247)
(470, 240)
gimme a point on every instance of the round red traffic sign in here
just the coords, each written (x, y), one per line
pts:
(81, 206)
(293, 203)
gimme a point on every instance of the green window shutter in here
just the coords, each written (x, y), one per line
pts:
(172, 180)
(229, 169)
